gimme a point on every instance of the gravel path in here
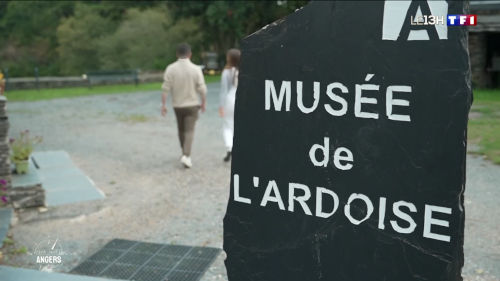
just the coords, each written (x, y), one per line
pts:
(132, 154)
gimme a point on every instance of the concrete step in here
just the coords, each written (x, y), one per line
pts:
(8, 273)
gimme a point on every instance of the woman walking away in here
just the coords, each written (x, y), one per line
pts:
(229, 82)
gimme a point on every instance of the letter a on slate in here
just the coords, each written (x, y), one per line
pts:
(393, 160)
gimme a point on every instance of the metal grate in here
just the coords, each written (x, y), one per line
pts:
(140, 261)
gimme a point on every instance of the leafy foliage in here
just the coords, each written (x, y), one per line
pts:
(146, 39)
(28, 37)
(225, 23)
(71, 37)
(78, 37)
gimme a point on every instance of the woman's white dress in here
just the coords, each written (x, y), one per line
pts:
(229, 83)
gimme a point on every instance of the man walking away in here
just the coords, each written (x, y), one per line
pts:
(185, 82)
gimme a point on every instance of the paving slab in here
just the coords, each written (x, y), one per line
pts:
(70, 179)
(72, 196)
(52, 159)
(63, 182)
(8, 273)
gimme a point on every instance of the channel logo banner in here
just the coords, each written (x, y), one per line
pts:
(461, 20)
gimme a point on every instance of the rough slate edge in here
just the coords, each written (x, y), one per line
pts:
(138, 268)
(5, 220)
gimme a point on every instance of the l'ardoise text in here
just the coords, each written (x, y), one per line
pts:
(299, 195)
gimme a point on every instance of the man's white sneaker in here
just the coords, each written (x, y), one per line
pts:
(186, 161)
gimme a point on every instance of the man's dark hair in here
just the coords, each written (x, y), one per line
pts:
(183, 49)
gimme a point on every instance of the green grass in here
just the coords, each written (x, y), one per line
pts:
(133, 118)
(8, 241)
(484, 126)
(48, 94)
(212, 78)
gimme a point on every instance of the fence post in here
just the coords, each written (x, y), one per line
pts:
(6, 79)
(36, 79)
(136, 77)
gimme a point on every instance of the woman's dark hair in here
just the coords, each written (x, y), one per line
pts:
(233, 58)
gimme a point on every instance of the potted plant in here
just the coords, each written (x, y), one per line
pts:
(21, 150)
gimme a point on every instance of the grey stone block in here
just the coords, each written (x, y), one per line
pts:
(33, 196)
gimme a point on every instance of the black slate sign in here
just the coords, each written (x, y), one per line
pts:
(350, 143)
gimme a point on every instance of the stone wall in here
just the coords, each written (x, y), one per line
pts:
(5, 173)
(73, 81)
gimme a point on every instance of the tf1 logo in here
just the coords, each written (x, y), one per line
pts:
(459, 20)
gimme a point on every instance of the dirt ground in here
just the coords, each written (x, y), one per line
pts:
(131, 153)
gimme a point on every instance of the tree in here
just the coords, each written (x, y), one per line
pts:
(28, 35)
(225, 23)
(146, 39)
(28, 32)
(78, 37)
(68, 38)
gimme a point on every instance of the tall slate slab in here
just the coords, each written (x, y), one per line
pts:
(349, 148)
